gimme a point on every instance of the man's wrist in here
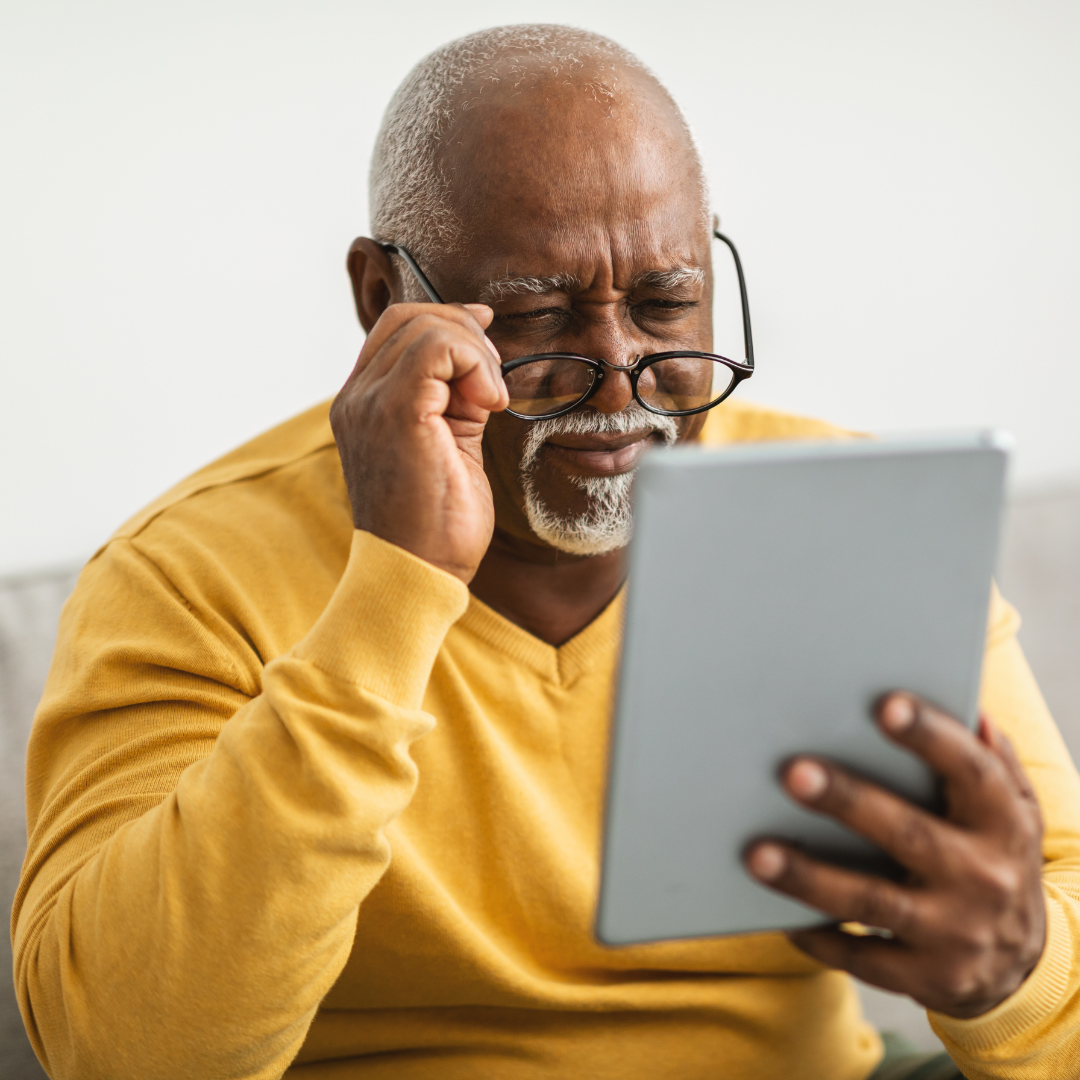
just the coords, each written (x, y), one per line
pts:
(1035, 999)
(386, 620)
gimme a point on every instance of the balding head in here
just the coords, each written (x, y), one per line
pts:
(546, 172)
(541, 106)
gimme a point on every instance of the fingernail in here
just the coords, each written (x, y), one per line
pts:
(494, 351)
(898, 714)
(807, 779)
(767, 862)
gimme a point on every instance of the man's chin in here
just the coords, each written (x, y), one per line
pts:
(596, 519)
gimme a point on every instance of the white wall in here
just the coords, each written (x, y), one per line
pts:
(180, 182)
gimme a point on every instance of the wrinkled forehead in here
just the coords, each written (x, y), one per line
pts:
(552, 168)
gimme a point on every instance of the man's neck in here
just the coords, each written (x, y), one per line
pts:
(550, 594)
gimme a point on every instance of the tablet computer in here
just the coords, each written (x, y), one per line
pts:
(776, 591)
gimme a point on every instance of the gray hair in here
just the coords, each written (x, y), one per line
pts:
(410, 193)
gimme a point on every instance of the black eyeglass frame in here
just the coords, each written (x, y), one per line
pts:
(740, 370)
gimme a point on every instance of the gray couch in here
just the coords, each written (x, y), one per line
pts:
(1039, 572)
(29, 608)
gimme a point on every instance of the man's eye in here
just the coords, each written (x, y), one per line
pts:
(540, 317)
(659, 309)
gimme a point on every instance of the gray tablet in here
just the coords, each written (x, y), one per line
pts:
(776, 591)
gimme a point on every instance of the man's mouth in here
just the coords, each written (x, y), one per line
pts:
(600, 453)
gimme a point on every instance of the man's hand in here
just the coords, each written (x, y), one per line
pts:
(969, 924)
(408, 424)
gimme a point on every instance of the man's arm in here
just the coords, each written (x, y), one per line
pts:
(986, 928)
(203, 832)
(193, 878)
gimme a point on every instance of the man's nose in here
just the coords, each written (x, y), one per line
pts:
(612, 345)
(615, 392)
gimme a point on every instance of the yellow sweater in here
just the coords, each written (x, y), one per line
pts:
(297, 801)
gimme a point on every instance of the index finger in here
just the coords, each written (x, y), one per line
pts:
(978, 787)
(393, 327)
(397, 316)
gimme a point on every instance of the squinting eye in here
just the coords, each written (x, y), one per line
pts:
(668, 305)
(533, 316)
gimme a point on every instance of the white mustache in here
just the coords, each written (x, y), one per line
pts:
(590, 421)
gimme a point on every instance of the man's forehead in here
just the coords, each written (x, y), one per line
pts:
(551, 145)
(631, 220)
(551, 155)
(667, 248)
(552, 186)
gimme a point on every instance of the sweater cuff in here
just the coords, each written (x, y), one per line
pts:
(1033, 1003)
(386, 621)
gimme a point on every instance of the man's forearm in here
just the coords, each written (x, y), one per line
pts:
(200, 938)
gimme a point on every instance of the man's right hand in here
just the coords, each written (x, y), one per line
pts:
(409, 423)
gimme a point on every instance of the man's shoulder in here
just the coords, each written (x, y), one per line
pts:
(303, 439)
(743, 421)
(247, 550)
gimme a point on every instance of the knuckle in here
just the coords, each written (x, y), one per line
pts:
(429, 322)
(999, 884)
(395, 317)
(343, 409)
(964, 982)
(881, 904)
(915, 836)
(978, 937)
(977, 767)
(1030, 826)
(1002, 877)
(442, 334)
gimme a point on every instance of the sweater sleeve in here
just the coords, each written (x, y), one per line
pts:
(1035, 1033)
(201, 840)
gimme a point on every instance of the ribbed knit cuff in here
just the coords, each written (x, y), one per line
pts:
(1033, 1003)
(385, 622)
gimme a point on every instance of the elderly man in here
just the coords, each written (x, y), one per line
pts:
(316, 781)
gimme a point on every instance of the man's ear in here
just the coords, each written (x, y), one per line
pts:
(375, 282)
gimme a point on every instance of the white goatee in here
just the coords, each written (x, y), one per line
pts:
(607, 521)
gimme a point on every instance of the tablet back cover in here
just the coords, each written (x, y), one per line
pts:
(776, 591)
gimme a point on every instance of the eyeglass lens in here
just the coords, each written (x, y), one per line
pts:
(548, 385)
(678, 384)
(682, 383)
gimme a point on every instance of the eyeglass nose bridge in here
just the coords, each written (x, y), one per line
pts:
(628, 368)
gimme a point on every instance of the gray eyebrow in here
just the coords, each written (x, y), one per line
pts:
(673, 278)
(501, 288)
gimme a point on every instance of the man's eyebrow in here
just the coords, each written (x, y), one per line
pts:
(673, 278)
(501, 288)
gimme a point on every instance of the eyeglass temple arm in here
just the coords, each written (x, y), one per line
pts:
(432, 295)
(748, 337)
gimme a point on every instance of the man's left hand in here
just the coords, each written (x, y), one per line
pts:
(969, 923)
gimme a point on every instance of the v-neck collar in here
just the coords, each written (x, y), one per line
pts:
(562, 665)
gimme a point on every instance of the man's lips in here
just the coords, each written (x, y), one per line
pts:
(599, 453)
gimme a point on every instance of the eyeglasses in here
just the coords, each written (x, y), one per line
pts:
(679, 383)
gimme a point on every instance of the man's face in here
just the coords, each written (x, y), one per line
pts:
(576, 215)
